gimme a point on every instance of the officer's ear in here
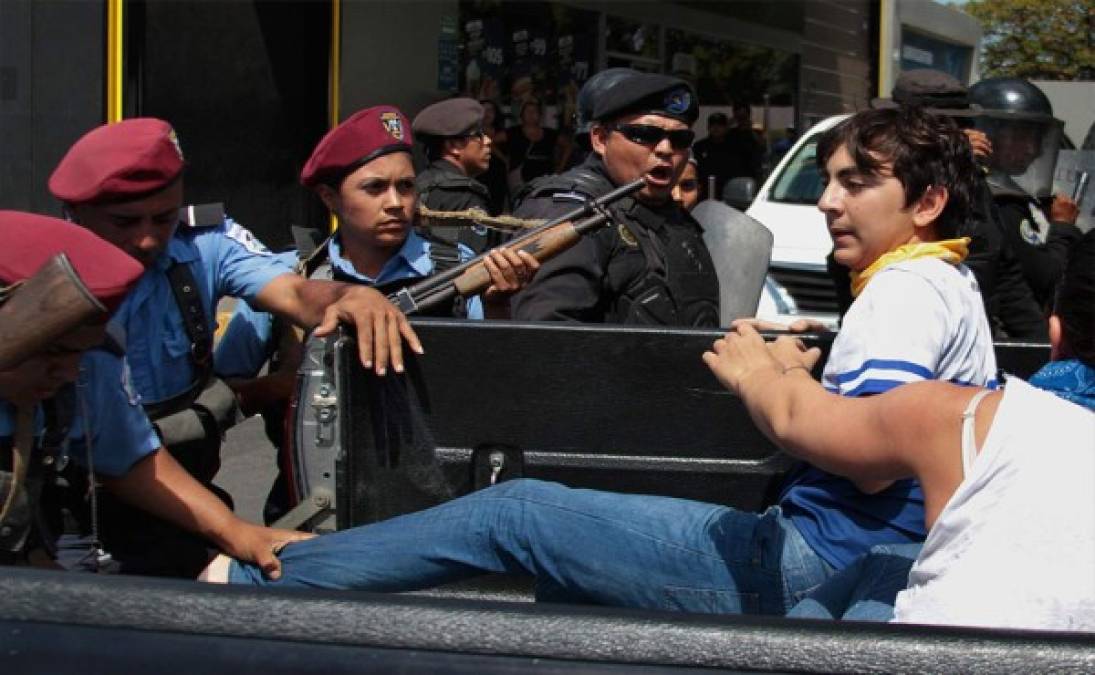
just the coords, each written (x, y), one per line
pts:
(329, 196)
(598, 138)
(453, 147)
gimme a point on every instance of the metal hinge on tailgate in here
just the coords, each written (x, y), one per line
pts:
(325, 404)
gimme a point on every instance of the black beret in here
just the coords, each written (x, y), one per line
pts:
(452, 117)
(647, 93)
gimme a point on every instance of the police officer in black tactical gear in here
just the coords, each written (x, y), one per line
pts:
(1040, 228)
(650, 266)
(458, 150)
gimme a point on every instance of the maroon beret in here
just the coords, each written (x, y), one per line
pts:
(361, 138)
(31, 240)
(119, 161)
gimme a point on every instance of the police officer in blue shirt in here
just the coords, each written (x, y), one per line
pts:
(65, 397)
(362, 171)
(124, 182)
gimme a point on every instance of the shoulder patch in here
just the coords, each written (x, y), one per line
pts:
(625, 235)
(243, 236)
(1029, 233)
(1041, 226)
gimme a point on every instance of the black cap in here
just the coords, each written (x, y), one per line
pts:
(718, 118)
(647, 93)
(449, 118)
(926, 88)
(593, 89)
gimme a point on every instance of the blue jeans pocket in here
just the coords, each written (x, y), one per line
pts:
(710, 600)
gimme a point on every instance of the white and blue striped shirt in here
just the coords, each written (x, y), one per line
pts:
(916, 320)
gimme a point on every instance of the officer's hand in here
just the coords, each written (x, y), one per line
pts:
(510, 271)
(260, 546)
(1063, 210)
(381, 328)
(796, 326)
(982, 146)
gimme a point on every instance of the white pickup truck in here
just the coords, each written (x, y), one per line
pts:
(798, 284)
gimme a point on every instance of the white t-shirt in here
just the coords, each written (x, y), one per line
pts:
(916, 320)
(1015, 545)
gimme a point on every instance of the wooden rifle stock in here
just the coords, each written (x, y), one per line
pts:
(545, 246)
(543, 243)
(42, 308)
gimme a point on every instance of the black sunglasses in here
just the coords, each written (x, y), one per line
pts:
(648, 134)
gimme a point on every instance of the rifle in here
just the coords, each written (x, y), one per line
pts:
(42, 308)
(34, 313)
(543, 243)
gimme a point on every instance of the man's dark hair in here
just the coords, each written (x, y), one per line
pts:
(434, 147)
(924, 150)
(1075, 305)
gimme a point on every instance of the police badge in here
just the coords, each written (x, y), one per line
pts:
(392, 124)
(678, 101)
(1035, 233)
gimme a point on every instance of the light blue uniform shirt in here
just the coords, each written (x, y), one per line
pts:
(225, 259)
(247, 342)
(120, 432)
(412, 261)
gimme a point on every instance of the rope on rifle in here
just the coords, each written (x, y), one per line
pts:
(431, 218)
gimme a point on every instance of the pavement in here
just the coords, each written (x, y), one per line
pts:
(248, 461)
(248, 467)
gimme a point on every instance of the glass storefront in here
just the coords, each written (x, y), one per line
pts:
(513, 51)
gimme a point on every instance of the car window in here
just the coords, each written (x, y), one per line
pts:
(800, 181)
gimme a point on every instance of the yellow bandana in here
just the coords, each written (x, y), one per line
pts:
(951, 251)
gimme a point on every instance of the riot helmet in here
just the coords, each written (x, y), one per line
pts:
(1018, 120)
(587, 95)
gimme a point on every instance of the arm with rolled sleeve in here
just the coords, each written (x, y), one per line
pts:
(129, 459)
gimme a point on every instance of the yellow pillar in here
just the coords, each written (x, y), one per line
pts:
(334, 74)
(115, 40)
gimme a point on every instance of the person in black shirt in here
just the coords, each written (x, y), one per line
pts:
(650, 266)
(459, 149)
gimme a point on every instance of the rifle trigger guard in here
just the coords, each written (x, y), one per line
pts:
(405, 301)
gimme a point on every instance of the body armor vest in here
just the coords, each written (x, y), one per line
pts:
(679, 286)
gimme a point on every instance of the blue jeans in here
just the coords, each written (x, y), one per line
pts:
(865, 590)
(581, 545)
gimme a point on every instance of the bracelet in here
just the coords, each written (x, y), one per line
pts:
(788, 369)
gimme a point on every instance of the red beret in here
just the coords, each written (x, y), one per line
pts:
(30, 240)
(119, 161)
(364, 136)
